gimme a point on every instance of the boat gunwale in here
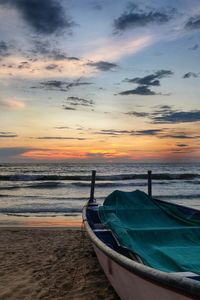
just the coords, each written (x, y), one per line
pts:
(178, 283)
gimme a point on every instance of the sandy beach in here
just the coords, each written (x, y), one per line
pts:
(50, 263)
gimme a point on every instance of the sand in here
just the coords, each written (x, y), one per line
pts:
(42, 263)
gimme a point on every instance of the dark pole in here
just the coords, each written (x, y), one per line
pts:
(149, 184)
(92, 186)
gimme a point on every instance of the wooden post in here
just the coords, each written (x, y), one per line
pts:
(92, 186)
(149, 184)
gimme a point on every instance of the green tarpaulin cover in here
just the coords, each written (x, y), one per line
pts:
(164, 236)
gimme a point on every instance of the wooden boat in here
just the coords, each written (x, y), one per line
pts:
(130, 276)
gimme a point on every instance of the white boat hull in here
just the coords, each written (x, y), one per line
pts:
(131, 279)
(130, 286)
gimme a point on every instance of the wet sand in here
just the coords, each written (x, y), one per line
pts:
(50, 263)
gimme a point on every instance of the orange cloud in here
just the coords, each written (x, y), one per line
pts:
(115, 49)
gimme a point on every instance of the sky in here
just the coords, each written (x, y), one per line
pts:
(100, 81)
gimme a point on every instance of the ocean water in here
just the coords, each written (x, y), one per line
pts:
(53, 194)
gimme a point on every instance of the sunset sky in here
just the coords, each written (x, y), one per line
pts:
(107, 80)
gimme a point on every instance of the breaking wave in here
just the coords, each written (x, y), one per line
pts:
(156, 176)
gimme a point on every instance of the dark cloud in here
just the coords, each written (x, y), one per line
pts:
(135, 17)
(190, 74)
(169, 116)
(103, 65)
(152, 79)
(68, 107)
(44, 17)
(11, 152)
(45, 49)
(162, 108)
(62, 86)
(113, 132)
(195, 47)
(62, 127)
(137, 114)
(60, 138)
(193, 23)
(164, 114)
(79, 101)
(182, 145)
(163, 133)
(24, 65)
(7, 134)
(148, 132)
(145, 82)
(140, 90)
(53, 84)
(73, 58)
(4, 48)
(181, 136)
(53, 67)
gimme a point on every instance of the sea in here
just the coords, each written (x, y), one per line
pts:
(54, 194)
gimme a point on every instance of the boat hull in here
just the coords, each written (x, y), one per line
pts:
(129, 286)
(130, 278)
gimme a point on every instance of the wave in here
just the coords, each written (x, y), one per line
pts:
(46, 198)
(156, 176)
(42, 215)
(180, 197)
(37, 210)
(38, 185)
(108, 184)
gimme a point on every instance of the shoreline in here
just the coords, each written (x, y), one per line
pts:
(50, 263)
(50, 228)
(41, 221)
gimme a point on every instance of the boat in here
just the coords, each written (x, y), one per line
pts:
(147, 248)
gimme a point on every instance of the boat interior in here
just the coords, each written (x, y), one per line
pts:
(108, 238)
(105, 234)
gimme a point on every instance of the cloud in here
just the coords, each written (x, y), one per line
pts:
(190, 74)
(181, 136)
(195, 47)
(135, 17)
(44, 17)
(62, 86)
(145, 82)
(193, 23)
(113, 132)
(103, 65)
(62, 127)
(146, 132)
(182, 145)
(4, 49)
(68, 107)
(140, 90)
(53, 67)
(7, 134)
(45, 49)
(11, 103)
(12, 152)
(137, 114)
(79, 101)
(152, 79)
(59, 138)
(169, 116)
(24, 65)
(164, 114)
(114, 49)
